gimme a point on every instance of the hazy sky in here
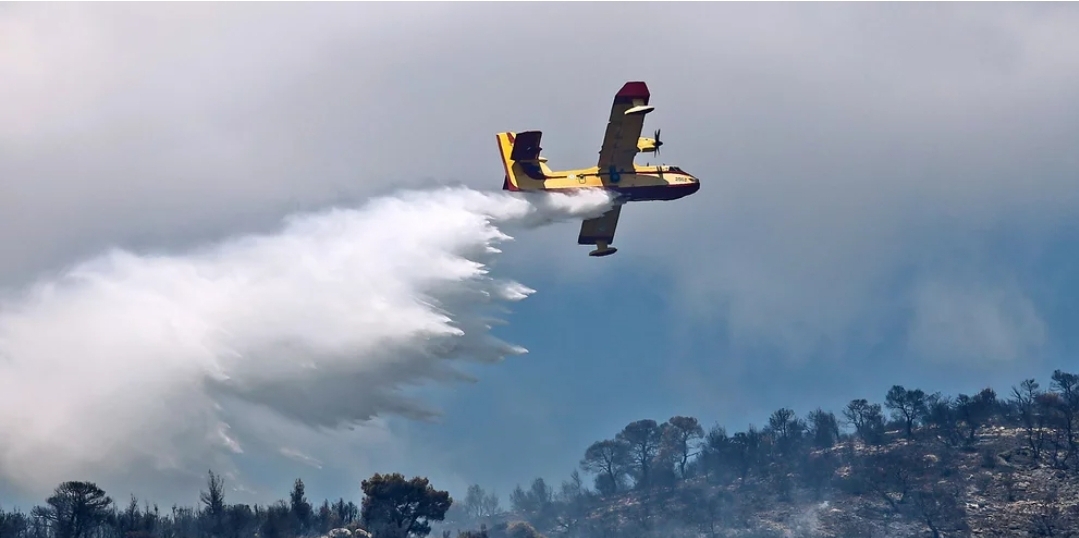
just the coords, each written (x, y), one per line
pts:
(889, 191)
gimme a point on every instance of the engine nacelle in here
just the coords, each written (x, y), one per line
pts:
(647, 145)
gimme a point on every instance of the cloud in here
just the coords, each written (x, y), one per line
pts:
(301, 457)
(876, 179)
(852, 161)
(153, 365)
(171, 125)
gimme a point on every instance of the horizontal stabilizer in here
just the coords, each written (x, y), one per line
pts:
(526, 146)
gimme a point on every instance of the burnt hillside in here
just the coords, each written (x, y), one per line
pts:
(917, 465)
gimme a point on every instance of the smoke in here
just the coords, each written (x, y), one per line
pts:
(807, 522)
(150, 363)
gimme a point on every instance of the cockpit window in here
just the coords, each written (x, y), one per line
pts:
(675, 169)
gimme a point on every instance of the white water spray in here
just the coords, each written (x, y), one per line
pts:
(128, 363)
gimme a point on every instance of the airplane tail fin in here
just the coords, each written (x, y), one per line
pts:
(505, 148)
(521, 158)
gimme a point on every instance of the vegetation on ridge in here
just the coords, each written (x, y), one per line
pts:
(934, 466)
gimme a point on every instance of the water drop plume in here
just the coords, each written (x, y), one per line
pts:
(133, 363)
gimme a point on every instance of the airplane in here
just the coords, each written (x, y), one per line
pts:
(526, 170)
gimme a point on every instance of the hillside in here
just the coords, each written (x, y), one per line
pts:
(991, 488)
(973, 465)
(969, 466)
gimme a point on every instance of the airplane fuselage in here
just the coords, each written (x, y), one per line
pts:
(643, 184)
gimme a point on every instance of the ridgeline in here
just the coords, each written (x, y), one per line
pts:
(917, 465)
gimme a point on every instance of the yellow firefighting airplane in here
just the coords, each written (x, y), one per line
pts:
(616, 172)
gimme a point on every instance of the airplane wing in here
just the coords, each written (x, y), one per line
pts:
(624, 128)
(600, 228)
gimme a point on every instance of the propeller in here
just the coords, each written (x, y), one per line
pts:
(658, 143)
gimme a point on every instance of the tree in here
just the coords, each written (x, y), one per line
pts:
(610, 461)
(975, 410)
(787, 428)
(299, 507)
(823, 428)
(939, 508)
(574, 508)
(1067, 385)
(643, 439)
(479, 503)
(941, 417)
(345, 512)
(393, 507)
(241, 520)
(126, 521)
(573, 489)
(906, 405)
(704, 509)
(889, 475)
(473, 502)
(867, 419)
(1051, 423)
(325, 517)
(520, 502)
(747, 450)
(213, 503)
(276, 521)
(13, 523)
(716, 453)
(76, 509)
(681, 436)
(536, 503)
(491, 505)
(1025, 402)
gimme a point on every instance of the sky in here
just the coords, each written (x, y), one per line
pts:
(889, 195)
